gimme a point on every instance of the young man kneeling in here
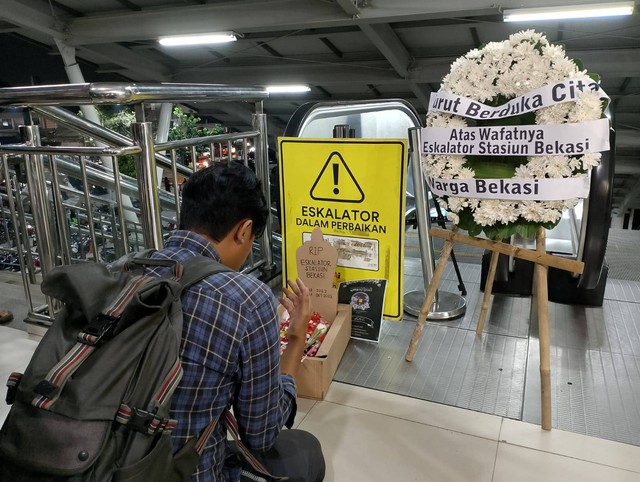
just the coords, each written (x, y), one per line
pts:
(230, 349)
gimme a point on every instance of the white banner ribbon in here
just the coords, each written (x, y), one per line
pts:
(542, 140)
(565, 91)
(512, 189)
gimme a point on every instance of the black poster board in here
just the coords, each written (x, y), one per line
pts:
(366, 298)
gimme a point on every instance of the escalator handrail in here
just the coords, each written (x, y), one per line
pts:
(598, 218)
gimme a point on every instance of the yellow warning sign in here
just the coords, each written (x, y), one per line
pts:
(354, 191)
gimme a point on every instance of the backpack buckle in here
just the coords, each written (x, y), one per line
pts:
(46, 389)
(101, 327)
(12, 387)
(141, 420)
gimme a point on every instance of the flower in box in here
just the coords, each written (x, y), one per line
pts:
(316, 331)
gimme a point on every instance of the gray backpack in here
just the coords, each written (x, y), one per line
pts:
(93, 404)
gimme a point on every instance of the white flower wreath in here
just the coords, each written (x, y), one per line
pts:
(492, 75)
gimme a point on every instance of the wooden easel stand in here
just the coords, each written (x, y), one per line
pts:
(542, 261)
(545, 259)
(542, 295)
(430, 297)
(486, 300)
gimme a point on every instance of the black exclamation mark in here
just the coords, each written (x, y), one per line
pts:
(335, 179)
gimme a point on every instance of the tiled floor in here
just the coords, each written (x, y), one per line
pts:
(368, 435)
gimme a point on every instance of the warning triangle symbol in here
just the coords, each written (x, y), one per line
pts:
(336, 182)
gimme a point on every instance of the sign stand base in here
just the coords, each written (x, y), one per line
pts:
(447, 305)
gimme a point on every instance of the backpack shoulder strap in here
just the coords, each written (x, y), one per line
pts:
(120, 263)
(198, 268)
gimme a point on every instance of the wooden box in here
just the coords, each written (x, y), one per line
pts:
(316, 373)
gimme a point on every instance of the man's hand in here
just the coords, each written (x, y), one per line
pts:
(297, 302)
(295, 299)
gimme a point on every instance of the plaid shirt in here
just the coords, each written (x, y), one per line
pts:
(230, 354)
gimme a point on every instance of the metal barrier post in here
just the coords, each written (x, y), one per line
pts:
(11, 182)
(26, 261)
(63, 226)
(89, 209)
(446, 305)
(40, 210)
(262, 172)
(147, 185)
(39, 203)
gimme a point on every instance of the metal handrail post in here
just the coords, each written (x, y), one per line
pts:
(42, 216)
(63, 226)
(26, 261)
(147, 185)
(259, 122)
(89, 208)
(39, 203)
(11, 182)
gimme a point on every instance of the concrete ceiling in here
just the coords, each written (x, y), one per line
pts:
(343, 49)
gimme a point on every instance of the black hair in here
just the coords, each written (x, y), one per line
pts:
(216, 198)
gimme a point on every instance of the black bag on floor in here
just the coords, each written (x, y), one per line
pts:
(93, 404)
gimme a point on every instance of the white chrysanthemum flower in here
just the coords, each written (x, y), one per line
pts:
(488, 212)
(569, 204)
(524, 172)
(442, 119)
(474, 54)
(454, 218)
(553, 52)
(558, 166)
(539, 212)
(456, 204)
(530, 36)
(473, 203)
(555, 114)
(590, 160)
(588, 106)
(575, 163)
(537, 166)
(508, 212)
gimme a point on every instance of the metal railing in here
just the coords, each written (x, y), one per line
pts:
(65, 204)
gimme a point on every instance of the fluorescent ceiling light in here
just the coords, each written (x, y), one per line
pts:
(287, 89)
(201, 39)
(576, 11)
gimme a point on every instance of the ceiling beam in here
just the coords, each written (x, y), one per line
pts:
(243, 112)
(331, 46)
(25, 16)
(367, 72)
(138, 66)
(388, 43)
(269, 49)
(349, 7)
(420, 94)
(130, 5)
